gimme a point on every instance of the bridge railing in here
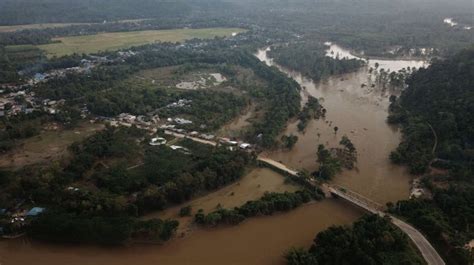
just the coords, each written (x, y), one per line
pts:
(356, 197)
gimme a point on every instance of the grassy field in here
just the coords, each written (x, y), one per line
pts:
(120, 40)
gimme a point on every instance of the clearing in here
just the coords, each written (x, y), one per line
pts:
(122, 40)
(47, 146)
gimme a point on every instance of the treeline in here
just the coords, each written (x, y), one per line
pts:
(19, 127)
(371, 240)
(446, 220)
(67, 11)
(436, 108)
(309, 58)
(329, 165)
(267, 205)
(283, 100)
(312, 110)
(65, 227)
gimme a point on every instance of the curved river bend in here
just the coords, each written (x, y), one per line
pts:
(359, 112)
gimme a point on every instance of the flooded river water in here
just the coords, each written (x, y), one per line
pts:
(359, 113)
(256, 241)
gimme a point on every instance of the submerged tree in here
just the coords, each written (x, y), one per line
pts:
(328, 165)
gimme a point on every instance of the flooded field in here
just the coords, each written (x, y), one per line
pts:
(359, 110)
(257, 241)
(251, 187)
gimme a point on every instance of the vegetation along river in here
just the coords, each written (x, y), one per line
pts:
(359, 111)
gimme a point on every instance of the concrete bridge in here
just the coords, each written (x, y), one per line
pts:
(428, 252)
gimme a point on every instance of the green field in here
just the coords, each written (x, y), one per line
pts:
(121, 40)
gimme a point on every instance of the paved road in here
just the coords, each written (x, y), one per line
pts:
(428, 252)
(199, 140)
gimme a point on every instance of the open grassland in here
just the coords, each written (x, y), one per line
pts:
(121, 40)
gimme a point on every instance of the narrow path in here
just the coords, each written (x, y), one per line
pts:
(180, 135)
(433, 151)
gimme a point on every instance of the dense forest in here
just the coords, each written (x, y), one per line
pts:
(309, 58)
(60, 11)
(436, 113)
(267, 205)
(372, 240)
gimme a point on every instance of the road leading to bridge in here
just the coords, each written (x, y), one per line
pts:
(428, 252)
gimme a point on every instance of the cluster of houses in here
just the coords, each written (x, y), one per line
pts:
(180, 121)
(180, 103)
(25, 102)
(129, 120)
(17, 220)
(233, 144)
(210, 139)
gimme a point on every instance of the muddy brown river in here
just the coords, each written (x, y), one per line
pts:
(359, 112)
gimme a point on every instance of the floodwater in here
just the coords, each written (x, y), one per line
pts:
(250, 187)
(358, 112)
(256, 241)
(358, 106)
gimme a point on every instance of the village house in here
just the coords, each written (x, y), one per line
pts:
(158, 141)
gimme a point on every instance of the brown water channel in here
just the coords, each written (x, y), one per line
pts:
(358, 112)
